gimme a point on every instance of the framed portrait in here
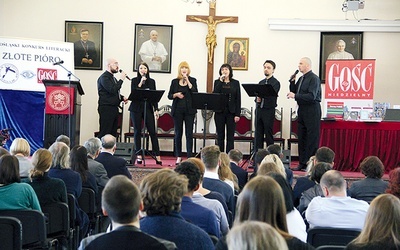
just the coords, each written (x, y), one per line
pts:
(237, 52)
(339, 46)
(153, 45)
(88, 43)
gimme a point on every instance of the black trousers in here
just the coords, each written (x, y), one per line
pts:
(264, 124)
(181, 115)
(221, 120)
(137, 118)
(308, 126)
(108, 120)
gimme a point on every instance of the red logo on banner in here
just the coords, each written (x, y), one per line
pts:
(58, 100)
(48, 74)
(349, 79)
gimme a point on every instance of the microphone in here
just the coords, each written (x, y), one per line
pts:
(294, 75)
(127, 77)
(58, 63)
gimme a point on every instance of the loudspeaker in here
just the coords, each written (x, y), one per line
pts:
(286, 159)
(125, 151)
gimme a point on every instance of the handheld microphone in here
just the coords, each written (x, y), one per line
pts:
(294, 75)
(127, 77)
(58, 63)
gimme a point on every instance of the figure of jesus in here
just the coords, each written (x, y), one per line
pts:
(211, 38)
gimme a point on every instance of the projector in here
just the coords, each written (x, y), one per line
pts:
(353, 5)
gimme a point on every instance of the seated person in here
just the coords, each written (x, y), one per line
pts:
(22, 150)
(336, 210)
(162, 193)
(236, 157)
(121, 203)
(275, 149)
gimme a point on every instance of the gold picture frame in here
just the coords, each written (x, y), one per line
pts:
(237, 52)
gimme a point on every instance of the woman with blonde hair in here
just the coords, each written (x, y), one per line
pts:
(382, 225)
(225, 173)
(22, 150)
(180, 92)
(278, 162)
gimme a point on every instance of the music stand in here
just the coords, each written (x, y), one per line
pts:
(208, 101)
(151, 96)
(262, 91)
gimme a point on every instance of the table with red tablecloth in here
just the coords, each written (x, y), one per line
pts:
(352, 141)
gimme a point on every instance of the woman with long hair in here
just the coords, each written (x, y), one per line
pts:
(79, 163)
(225, 173)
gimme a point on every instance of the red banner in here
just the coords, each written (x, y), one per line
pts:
(59, 100)
(350, 79)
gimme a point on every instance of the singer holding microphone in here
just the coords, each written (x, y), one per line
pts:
(307, 93)
(108, 88)
(230, 114)
(180, 92)
(265, 108)
(143, 81)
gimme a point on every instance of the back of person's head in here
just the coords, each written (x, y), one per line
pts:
(78, 161)
(162, 192)
(319, 170)
(20, 146)
(286, 189)
(325, 154)
(93, 145)
(267, 167)
(310, 164)
(260, 155)
(9, 170)
(210, 156)
(262, 200)
(121, 200)
(394, 182)
(382, 223)
(333, 180)
(251, 235)
(199, 164)
(275, 149)
(372, 167)
(41, 161)
(3, 151)
(277, 160)
(235, 155)
(225, 171)
(65, 139)
(60, 153)
(108, 141)
(191, 172)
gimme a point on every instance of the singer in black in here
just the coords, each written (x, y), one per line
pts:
(180, 92)
(230, 114)
(109, 98)
(143, 81)
(307, 92)
(265, 111)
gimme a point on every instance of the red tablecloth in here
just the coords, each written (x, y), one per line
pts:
(353, 141)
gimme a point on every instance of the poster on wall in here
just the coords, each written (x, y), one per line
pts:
(349, 89)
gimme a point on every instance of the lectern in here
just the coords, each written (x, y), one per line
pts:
(62, 111)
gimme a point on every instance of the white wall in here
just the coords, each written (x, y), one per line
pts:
(45, 19)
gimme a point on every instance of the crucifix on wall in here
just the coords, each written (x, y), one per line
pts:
(211, 39)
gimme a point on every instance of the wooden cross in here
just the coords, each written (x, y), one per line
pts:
(211, 39)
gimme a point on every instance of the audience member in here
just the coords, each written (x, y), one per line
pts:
(382, 225)
(262, 200)
(162, 193)
(113, 165)
(260, 155)
(255, 235)
(121, 202)
(275, 159)
(192, 212)
(267, 167)
(394, 182)
(202, 193)
(324, 154)
(210, 157)
(236, 158)
(372, 186)
(336, 210)
(93, 147)
(319, 170)
(21, 149)
(14, 194)
(48, 190)
(3, 151)
(225, 173)
(275, 149)
(65, 139)
(79, 163)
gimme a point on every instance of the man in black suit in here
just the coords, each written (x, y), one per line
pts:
(113, 165)
(121, 202)
(236, 157)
